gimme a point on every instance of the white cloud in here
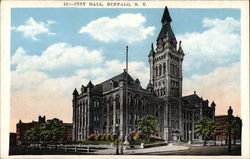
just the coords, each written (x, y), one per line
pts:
(221, 85)
(218, 45)
(31, 28)
(137, 69)
(125, 27)
(56, 56)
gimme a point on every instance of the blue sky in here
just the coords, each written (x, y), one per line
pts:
(54, 50)
(69, 21)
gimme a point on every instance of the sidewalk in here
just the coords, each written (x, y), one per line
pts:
(142, 151)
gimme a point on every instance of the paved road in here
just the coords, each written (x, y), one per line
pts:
(201, 150)
(144, 151)
(180, 149)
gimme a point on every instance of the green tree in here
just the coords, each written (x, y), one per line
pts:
(52, 132)
(148, 125)
(47, 132)
(32, 135)
(236, 129)
(204, 127)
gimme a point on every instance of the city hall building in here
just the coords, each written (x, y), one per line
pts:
(117, 104)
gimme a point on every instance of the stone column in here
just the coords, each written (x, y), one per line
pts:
(88, 113)
(108, 115)
(180, 120)
(193, 124)
(85, 120)
(166, 122)
(114, 114)
(190, 137)
(73, 119)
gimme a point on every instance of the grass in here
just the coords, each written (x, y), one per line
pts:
(87, 142)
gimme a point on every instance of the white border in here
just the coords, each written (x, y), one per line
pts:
(5, 67)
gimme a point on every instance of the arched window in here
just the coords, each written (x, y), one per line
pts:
(160, 69)
(164, 68)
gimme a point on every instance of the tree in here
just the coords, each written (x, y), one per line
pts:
(204, 127)
(47, 132)
(148, 125)
(32, 135)
(235, 129)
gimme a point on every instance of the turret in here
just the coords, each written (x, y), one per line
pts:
(90, 86)
(82, 89)
(75, 93)
(150, 87)
(152, 51)
(213, 104)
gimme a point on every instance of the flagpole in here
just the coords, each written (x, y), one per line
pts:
(126, 94)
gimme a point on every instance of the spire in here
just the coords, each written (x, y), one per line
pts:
(152, 51)
(90, 85)
(166, 17)
(213, 104)
(75, 93)
(166, 30)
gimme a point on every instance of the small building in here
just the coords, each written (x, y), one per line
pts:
(12, 139)
(221, 126)
(21, 128)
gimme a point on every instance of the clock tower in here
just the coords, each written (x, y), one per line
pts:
(166, 75)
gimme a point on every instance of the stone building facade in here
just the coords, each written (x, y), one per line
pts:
(121, 101)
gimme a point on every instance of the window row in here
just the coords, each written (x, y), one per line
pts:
(160, 58)
(160, 83)
(160, 70)
(161, 92)
(174, 70)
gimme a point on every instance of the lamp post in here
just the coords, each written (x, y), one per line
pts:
(230, 115)
(117, 141)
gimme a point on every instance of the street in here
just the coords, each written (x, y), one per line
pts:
(201, 150)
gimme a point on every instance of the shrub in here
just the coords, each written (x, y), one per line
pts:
(138, 135)
(91, 137)
(98, 137)
(108, 137)
(103, 137)
(113, 137)
(153, 138)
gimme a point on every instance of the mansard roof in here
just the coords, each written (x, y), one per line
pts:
(192, 99)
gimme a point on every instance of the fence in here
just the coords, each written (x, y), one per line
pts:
(65, 148)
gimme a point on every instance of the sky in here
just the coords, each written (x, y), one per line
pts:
(54, 50)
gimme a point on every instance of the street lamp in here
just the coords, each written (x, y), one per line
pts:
(230, 115)
(117, 141)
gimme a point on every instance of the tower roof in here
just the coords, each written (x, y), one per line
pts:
(166, 16)
(150, 86)
(90, 84)
(75, 93)
(152, 51)
(166, 30)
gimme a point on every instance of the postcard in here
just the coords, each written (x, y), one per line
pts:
(105, 79)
